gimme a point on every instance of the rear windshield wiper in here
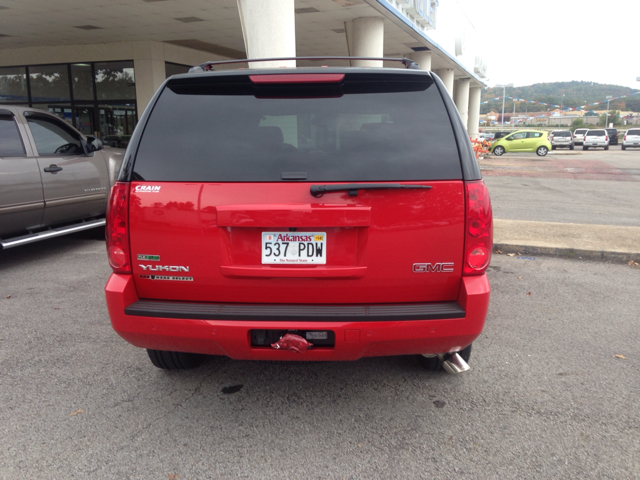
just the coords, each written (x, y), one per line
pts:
(319, 190)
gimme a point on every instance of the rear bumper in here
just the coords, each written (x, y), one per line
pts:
(148, 325)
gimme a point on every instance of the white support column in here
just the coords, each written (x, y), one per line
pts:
(365, 38)
(423, 59)
(269, 31)
(446, 75)
(474, 111)
(461, 98)
(148, 65)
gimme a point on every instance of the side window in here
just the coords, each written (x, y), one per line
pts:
(534, 134)
(53, 137)
(10, 140)
(519, 136)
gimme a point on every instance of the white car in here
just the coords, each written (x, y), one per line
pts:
(595, 138)
(631, 138)
(578, 135)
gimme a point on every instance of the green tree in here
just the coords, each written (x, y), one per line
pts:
(577, 123)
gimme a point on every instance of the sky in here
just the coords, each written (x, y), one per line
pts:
(525, 42)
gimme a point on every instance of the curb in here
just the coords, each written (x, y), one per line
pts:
(615, 257)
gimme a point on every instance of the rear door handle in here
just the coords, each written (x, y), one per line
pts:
(52, 169)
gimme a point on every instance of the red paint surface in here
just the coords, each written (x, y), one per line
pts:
(372, 242)
(232, 338)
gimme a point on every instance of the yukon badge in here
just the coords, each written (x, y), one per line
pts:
(432, 267)
(164, 268)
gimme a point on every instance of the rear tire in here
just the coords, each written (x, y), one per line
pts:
(499, 150)
(553, 147)
(607, 147)
(571, 147)
(585, 148)
(542, 151)
(623, 147)
(434, 364)
(174, 360)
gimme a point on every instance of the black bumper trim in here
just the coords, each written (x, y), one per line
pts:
(296, 313)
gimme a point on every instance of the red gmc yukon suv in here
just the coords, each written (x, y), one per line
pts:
(300, 214)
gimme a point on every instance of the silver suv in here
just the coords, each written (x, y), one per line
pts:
(53, 179)
(596, 138)
(561, 139)
(578, 135)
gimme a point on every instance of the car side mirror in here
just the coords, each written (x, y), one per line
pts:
(94, 144)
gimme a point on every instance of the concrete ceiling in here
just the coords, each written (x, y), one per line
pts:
(209, 25)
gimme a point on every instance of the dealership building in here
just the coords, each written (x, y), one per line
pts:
(97, 63)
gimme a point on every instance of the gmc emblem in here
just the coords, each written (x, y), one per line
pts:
(432, 267)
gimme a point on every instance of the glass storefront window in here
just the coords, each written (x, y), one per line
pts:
(117, 123)
(13, 85)
(115, 81)
(49, 83)
(82, 81)
(84, 119)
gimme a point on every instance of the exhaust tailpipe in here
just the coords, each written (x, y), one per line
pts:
(453, 363)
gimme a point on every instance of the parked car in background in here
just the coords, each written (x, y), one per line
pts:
(501, 134)
(561, 139)
(522, 141)
(595, 138)
(254, 250)
(488, 136)
(53, 180)
(631, 138)
(613, 135)
(578, 135)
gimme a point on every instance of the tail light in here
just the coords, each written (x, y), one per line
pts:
(624, 138)
(606, 138)
(479, 229)
(118, 229)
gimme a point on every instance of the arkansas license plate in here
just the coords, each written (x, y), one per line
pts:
(294, 248)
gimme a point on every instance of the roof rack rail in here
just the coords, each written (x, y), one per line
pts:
(208, 66)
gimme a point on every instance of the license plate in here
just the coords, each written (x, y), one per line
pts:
(294, 248)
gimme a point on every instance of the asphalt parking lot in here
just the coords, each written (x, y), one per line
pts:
(553, 392)
(547, 397)
(589, 187)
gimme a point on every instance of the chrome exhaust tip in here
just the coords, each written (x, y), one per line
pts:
(454, 363)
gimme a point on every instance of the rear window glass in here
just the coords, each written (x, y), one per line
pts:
(596, 133)
(633, 132)
(369, 127)
(580, 131)
(561, 134)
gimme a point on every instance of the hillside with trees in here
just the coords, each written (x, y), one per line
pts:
(575, 94)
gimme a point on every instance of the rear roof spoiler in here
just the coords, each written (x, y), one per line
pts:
(208, 66)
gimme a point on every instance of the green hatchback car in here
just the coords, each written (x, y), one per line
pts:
(522, 141)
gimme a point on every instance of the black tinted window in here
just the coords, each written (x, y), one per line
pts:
(633, 132)
(596, 133)
(561, 134)
(10, 141)
(370, 127)
(53, 137)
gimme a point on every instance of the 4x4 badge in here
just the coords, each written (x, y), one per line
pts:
(432, 267)
(154, 258)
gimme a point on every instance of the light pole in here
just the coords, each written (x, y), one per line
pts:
(562, 102)
(606, 122)
(504, 89)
